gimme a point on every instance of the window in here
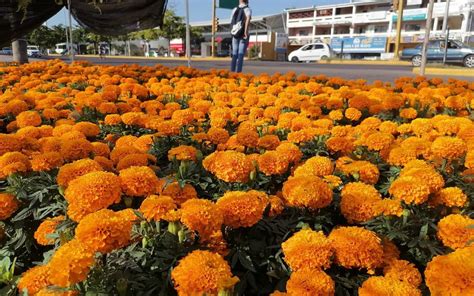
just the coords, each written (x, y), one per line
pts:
(318, 46)
(412, 27)
(307, 47)
(434, 44)
(380, 29)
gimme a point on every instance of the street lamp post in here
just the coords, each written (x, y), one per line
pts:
(188, 35)
(70, 31)
(427, 37)
(213, 38)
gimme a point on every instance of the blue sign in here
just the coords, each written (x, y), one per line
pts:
(359, 44)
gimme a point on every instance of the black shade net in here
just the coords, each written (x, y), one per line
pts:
(113, 17)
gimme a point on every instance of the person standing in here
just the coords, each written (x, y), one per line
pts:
(240, 21)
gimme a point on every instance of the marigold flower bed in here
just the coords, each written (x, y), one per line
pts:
(133, 180)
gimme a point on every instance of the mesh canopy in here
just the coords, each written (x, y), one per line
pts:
(112, 17)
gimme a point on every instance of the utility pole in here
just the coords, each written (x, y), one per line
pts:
(429, 20)
(213, 38)
(400, 4)
(446, 16)
(188, 35)
(70, 31)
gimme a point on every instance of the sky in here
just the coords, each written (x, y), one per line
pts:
(200, 10)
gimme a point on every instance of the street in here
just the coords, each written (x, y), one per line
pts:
(366, 71)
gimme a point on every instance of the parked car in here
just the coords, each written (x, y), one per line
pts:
(311, 52)
(457, 53)
(33, 51)
(7, 51)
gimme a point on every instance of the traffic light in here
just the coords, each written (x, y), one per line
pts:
(216, 24)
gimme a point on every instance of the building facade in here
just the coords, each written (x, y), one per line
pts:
(374, 22)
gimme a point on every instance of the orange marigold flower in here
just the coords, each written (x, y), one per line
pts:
(290, 152)
(455, 231)
(89, 129)
(46, 161)
(408, 113)
(449, 148)
(183, 152)
(276, 205)
(8, 205)
(352, 114)
(92, 192)
(404, 271)
(410, 189)
(272, 163)
(139, 159)
(450, 197)
(229, 166)
(307, 248)
(390, 207)
(202, 216)
(9, 143)
(451, 274)
(336, 115)
(13, 162)
(363, 170)
(247, 136)
(356, 247)
(378, 141)
(469, 162)
(158, 208)
(359, 202)
(28, 118)
(46, 229)
(112, 119)
(104, 231)
(71, 171)
(133, 118)
(76, 149)
(139, 181)
(56, 292)
(268, 142)
(387, 286)
(217, 135)
(70, 264)
(318, 166)
(310, 282)
(202, 273)
(120, 151)
(390, 251)
(340, 144)
(35, 279)
(180, 195)
(332, 181)
(242, 209)
(307, 192)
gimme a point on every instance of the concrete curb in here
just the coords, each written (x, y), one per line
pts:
(365, 62)
(148, 58)
(446, 71)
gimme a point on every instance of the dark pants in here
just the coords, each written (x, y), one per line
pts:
(239, 47)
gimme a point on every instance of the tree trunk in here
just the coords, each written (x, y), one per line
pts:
(20, 53)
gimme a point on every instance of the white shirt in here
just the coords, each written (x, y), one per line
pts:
(247, 11)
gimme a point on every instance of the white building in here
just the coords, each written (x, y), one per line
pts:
(376, 20)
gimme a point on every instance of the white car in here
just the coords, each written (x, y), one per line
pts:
(311, 52)
(33, 51)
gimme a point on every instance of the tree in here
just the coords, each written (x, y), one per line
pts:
(173, 27)
(44, 37)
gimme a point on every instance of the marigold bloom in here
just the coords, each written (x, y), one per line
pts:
(449, 148)
(9, 143)
(202, 273)
(76, 149)
(34, 279)
(455, 231)
(360, 202)
(13, 162)
(158, 208)
(272, 163)
(180, 195)
(352, 114)
(409, 189)
(217, 135)
(310, 282)
(268, 142)
(290, 151)
(307, 248)
(318, 166)
(202, 216)
(104, 231)
(71, 171)
(404, 271)
(183, 153)
(28, 118)
(47, 228)
(70, 264)
(356, 247)
(408, 113)
(450, 197)
(307, 192)
(46, 161)
(121, 151)
(8, 205)
(92, 192)
(242, 209)
(229, 166)
(387, 286)
(89, 129)
(56, 292)
(276, 205)
(130, 160)
(336, 115)
(378, 141)
(451, 274)
(139, 181)
(247, 137)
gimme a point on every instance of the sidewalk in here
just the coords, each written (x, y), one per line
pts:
(365, 62)
(149, 58)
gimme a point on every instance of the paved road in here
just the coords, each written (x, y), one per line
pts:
(368, 72)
